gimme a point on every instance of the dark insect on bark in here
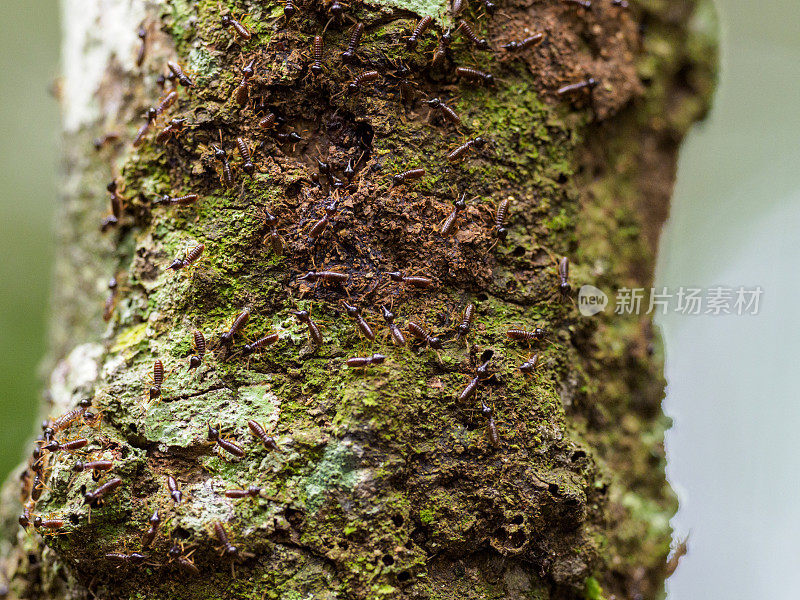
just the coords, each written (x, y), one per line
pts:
(260, 343)
(242, 91)
(407, 176)
(397, 335)
(316, 65)
(158, 379)
(471, 74)
(450, 222)
(182, 77)
(174, 489)
(524, 44)
(199, 341)
(241, 31)
(421, 28)
(467, 31)
(365, 77)
(259, 432)
(366, 361)
(313, 331)
(349, 54)
(190, 257)
(419, 332)
(460, 152)
(354, 313)
(238, 323)
(152, 530)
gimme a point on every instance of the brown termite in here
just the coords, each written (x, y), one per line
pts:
(572, 88)
(460, 152)
(241, 31)
(134, 558)
(500, 218)
(149, 117)
(466, 321)
(221, 156)
(587, 4)
(51, 523)
(182, 78)
(530, 365)
(524, 44)
(152, 530)
(289, 9)
(417, 281)
(268, 122)
(291, 137)
(563, 274)
(242, 91)
(189, 258)
(316, 65)
(174, 489)
(319, 227)
(68, 446)
(397, 336)
(522, 335)
(199, 342)
(355, 37)
(354, 313)
(490, 7)
(259, 432)
(260, 343)
(111, 299)
(173, 128)
(482, 372)
(421, 28)
(142, 35)
(67, 419)
(273, 237)
(106, 139)
(407, 176)
(491, 426)
(470, 34)
(419, 332)
(27, 514)
(365, 361)
(37, 487)
(447, 112)
(442, 49)
(186, 200)
(238, 324)
(164, 104)
(222, 536)
(456, 6)
(313, 331)
(251, 492)
(471, 74)
(227, 445)
(184, 562)
(97, 467)
(325, 277)
(247, 162)
(158, 379)
(362, 78)
(449, 223)
(116, 207)
(96, 497)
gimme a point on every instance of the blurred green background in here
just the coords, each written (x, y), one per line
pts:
(29, 50)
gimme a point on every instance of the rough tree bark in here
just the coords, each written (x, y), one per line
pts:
(386, 484)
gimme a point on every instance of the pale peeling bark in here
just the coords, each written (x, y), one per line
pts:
(386, 485)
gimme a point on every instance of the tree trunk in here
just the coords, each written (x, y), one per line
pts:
(387, 481)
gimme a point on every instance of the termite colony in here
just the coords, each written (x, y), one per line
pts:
(339, 185)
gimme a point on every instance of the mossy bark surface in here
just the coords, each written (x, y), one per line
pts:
(386, 485)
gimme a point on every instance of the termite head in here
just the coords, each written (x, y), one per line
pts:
(254, 490)
(387, 314)
(155, 392)
(502, 233)
(434, 342)
(176, 264)
(112, 187)
(565, 288)
(378, 359)
(194, 361)
(434, 102)
(231, 550)
(213, 433)
(395, 275)
(316, 68)
(352, 311)
(219, 153)
(302, 315)
(310, 276)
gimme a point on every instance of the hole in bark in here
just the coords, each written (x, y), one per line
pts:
(562, 178)
(74, 519)
(518, 520)
(364, 134)
(398, 520)
(403, 576)
(293, 189)
(133, 428)
(578, 455)
(518, 252)
(482, 297)
(181, 533)
(552, 488)
(511, 284)
(388, 560)
(517, 539)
